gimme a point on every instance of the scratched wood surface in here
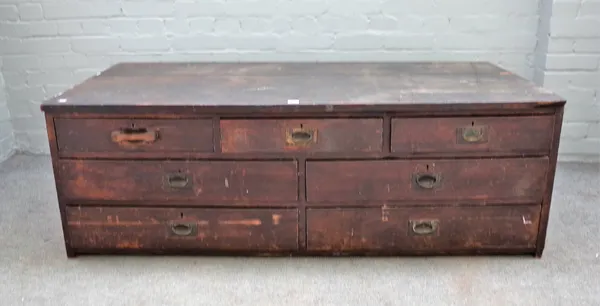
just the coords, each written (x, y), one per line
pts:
(273, 84)
(209, 229)
(213, 182)
(167, 135)
(510, 180)
(523, 134)
(456, 228)
(305, 158)
(326, 135)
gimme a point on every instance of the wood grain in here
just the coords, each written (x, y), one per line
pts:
(330, 135)
(389, 229)
(546, 203)
(53, 146)
(196, 158)
(208, 182)
(213, 229)
(324, 87)
(500, 134)
(94, 135)
(347, 182)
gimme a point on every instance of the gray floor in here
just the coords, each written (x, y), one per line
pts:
(35, 271)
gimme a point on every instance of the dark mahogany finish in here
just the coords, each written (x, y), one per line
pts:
(193, 181)
(125, 136)
(323, 135)
(525, 134)
(508, 179)
(181, 229)
(439, 229)
(304, 159)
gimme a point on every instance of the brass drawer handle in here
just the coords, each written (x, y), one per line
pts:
(177, 180)
(300, 137)
(472, 134)
(183, 229)
(424, 227)
(134, 136)
(427, 180)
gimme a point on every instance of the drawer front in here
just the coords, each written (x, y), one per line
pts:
(173, 229)
(422, 229)
(426, 180)
(241, 183)
(472, 134)
(312, 135)
(133, 135)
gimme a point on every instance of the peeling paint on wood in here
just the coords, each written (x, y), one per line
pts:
(276, 219)
(222, 229)
(249, 222)
(124, 244)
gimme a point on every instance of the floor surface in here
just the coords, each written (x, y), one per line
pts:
(34, 269)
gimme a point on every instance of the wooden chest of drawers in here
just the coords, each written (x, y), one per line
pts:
(304, 159)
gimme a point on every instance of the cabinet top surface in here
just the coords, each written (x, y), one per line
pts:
(282, 84)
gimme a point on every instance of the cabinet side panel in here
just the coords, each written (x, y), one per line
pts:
(61, 205)
(545, 214)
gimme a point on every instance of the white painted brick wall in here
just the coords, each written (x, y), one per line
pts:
(49, 45)
(7, 141)
(572, 69)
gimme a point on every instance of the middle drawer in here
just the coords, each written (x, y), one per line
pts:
(236, 182)
(307, 135)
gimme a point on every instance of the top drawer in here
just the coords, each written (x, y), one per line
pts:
(133, 135)
(309, 135)
(472, 134)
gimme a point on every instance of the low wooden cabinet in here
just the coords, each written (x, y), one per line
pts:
(304, 159)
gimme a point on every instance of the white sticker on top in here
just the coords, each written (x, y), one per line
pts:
(293, 101)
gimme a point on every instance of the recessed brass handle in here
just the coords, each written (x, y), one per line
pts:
(177, 180)
(134, 136)
(427, 180)
(472, 134)
(183, 228)
(424, 227)
(300, 137)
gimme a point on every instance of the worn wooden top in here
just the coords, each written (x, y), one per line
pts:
(128, 86)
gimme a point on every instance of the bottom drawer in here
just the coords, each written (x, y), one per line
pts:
(180, 229)
(435, 229)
